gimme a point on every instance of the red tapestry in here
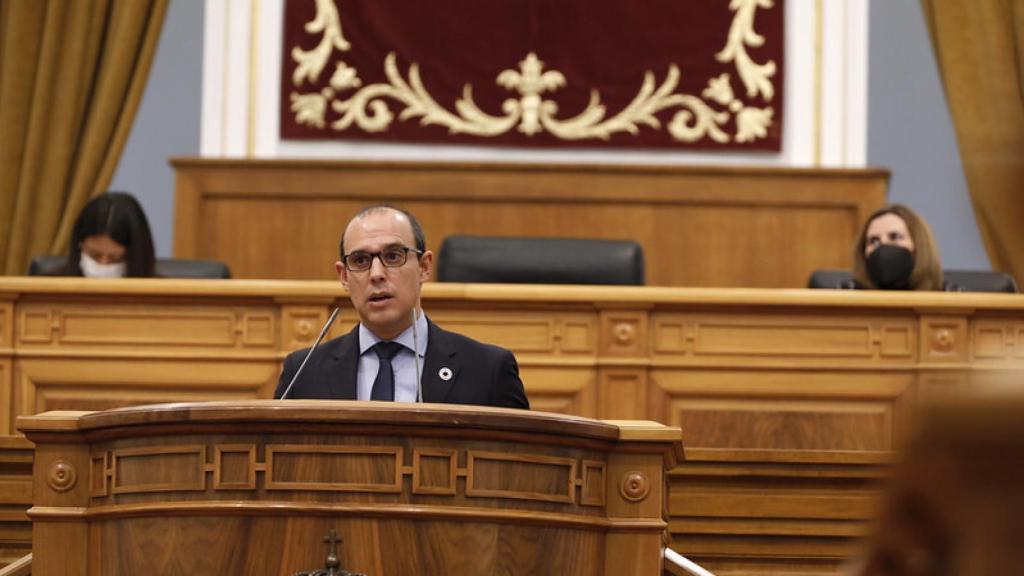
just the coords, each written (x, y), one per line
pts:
(678, 74)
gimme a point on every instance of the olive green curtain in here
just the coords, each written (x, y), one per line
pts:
(72, 73)
(979, 46)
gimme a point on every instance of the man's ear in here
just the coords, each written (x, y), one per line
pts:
(426, 265)
(342, 273)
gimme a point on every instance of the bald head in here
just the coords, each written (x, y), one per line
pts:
(401, 216)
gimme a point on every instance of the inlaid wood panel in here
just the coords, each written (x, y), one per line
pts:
(7, 413)
(6, 326)
(525, 477)
(288, 545)
(623, 393)
(235, 467)
(162, 469)
(246, 212)
(337, 468)
(145, 326)
(817, 512)
(534, 333)
(349, 468)
(997, 341)
(751, 338)
(566, 390)
(15, 498)
(44, 383)
(785, 410)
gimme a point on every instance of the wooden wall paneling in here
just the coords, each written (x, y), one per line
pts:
(6, 325)
(780, 338)
(818, 511)
(46, 383)
(97, 353)
(997, 341)
(801, 220)
(143, 325)
(622, 393)
(940, 383)
(15, 498)
(556, 347)
(7, 393)
(7, 364)
(562, 390)
(622, 378)
(783, 409)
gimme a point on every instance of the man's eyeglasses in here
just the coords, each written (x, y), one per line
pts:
(392, 257)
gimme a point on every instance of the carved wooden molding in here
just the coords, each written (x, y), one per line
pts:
(348, 469)
(98, 474)
(343, 461)
(158, 469)
(447, 459)
(634, 486)
(236, 458)
(505, 466)
(782, 336)
(113, 323)
(61, 476)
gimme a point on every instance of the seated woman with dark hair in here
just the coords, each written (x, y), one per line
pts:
(111, 239)
(896, 251)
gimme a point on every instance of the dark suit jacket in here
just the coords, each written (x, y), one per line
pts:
(481, 374)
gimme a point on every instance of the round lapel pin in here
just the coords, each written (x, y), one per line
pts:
(445, 373)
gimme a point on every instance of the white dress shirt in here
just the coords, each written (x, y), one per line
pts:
(404, 364)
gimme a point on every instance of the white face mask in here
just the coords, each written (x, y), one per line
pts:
(93, 269)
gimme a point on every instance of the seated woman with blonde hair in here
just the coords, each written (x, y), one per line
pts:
(896, 251)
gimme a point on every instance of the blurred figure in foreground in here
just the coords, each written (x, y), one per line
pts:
(956, 502)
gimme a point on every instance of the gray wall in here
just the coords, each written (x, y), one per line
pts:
(167, 123)
(909, 129)
(911, 133)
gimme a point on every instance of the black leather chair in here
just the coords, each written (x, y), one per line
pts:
(165, 267)
(956, 281)
(540, 260)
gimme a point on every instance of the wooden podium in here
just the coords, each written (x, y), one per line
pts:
(254, 487)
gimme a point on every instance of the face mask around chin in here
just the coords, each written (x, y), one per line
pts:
(890, 267)
(93, 269)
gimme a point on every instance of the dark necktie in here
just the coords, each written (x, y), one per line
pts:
(384, 383)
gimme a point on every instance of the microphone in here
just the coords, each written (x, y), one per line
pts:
(416, 357)
(319, 338)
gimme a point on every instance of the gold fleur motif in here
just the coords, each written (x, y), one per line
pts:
(530, 83)
(309, 108)
(752, 123)
(344, 77)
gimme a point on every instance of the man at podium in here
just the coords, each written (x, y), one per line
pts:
(395, 353)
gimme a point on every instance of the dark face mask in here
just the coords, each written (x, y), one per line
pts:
(890, 267)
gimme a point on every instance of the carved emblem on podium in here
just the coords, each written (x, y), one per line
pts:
(332, 566)
(61, 476)
(635, 486)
